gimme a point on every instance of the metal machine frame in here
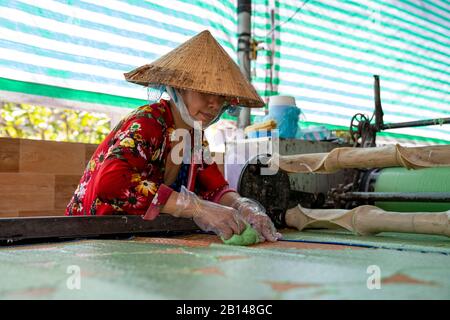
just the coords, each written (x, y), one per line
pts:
(275, 194)
(361, 127)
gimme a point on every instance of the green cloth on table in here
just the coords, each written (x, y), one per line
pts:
(248, 237)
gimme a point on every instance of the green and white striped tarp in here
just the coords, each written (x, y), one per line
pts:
(328, 51)
(74, 53)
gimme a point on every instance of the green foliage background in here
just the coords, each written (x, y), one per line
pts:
(37, 122)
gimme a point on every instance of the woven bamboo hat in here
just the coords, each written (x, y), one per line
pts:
(199, 64)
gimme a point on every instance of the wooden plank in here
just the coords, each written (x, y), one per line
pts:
(9, 213)
(51, 157)
(65, 186)
(9, 155)
(15, 229)
(41, 213)
(89, 151)
(26, 191)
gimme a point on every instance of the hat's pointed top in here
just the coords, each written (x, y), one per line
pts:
(199, 64)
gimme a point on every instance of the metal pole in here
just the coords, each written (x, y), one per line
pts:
(378, 108)
(379, 123)
(244, 36)
(419, 123)
(397, 196)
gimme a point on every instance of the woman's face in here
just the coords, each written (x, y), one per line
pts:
(202, 107)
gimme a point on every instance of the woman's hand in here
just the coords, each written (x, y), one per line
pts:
(223, 221)
(209, 216)
(255, 214)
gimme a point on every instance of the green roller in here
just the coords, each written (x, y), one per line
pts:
(423, 180)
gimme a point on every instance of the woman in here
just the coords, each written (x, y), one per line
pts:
(133, 171)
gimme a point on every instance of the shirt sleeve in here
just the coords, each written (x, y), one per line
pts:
(210, 180)
(128, 178)
(212, 184)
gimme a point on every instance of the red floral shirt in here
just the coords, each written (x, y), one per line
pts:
(126, 173)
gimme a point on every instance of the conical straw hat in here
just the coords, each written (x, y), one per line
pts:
(199, 64)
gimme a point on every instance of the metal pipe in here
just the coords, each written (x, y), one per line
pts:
(419, 123)
(244, 11)
(378, 108)
(396, 196)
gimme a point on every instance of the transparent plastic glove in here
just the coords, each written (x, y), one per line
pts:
(255, 214)
(209, 216)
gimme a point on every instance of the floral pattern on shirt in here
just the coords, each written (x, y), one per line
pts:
(126, 171)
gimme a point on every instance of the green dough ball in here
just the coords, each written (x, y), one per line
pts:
(248, 237)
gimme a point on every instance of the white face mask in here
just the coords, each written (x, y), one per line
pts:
(179, 103)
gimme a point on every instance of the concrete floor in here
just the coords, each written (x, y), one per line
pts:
(201, 267)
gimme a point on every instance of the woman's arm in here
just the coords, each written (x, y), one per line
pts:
(171, 205)
(229, 198)
(209, 216)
